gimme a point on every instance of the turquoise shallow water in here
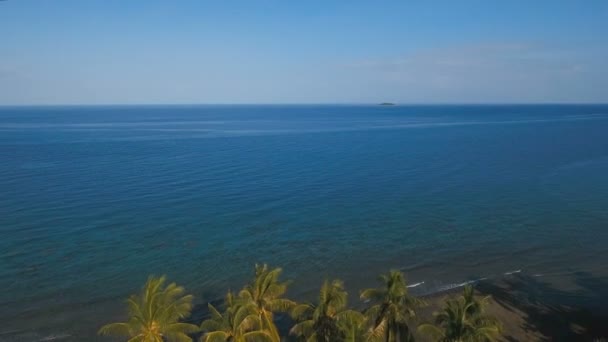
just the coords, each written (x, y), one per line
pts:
(96, 198)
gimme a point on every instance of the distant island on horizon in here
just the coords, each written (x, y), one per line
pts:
(386, 104)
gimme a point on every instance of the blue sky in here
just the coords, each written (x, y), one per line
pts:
(262, 51)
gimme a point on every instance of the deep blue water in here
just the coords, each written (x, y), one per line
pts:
(93, 199)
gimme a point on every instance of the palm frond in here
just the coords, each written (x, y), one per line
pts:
(302, 311)
(116, 329)
(304, 328)
(215, 336)
(257, 336)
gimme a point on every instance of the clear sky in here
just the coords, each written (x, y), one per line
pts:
(304, 51)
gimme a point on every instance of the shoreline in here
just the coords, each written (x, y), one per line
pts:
(531, 309)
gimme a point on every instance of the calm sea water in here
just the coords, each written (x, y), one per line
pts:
(93, 199)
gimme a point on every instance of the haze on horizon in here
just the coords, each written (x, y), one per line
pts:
(163, 52)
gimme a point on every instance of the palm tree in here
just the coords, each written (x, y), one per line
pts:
(155, 314)
(265, 294)
(393, 309)
(324, 322)
(463, 320)
(239, 323)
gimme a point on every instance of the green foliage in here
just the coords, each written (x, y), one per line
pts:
(354, 326)
(239, 323)
(463, 319)
(328, 320)
(155, 314)
(265, 292)
(393, 309)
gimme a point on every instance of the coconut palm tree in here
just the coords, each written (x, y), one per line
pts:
(321, 322)
(239, 323)
(394, 307)
(463, 320)
(265, 293)
(155, 314)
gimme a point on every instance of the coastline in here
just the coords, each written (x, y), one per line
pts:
(568, 307)
(533, 309)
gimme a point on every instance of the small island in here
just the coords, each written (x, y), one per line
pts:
(386, 104)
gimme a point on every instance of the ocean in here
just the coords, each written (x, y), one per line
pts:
(96, 198)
